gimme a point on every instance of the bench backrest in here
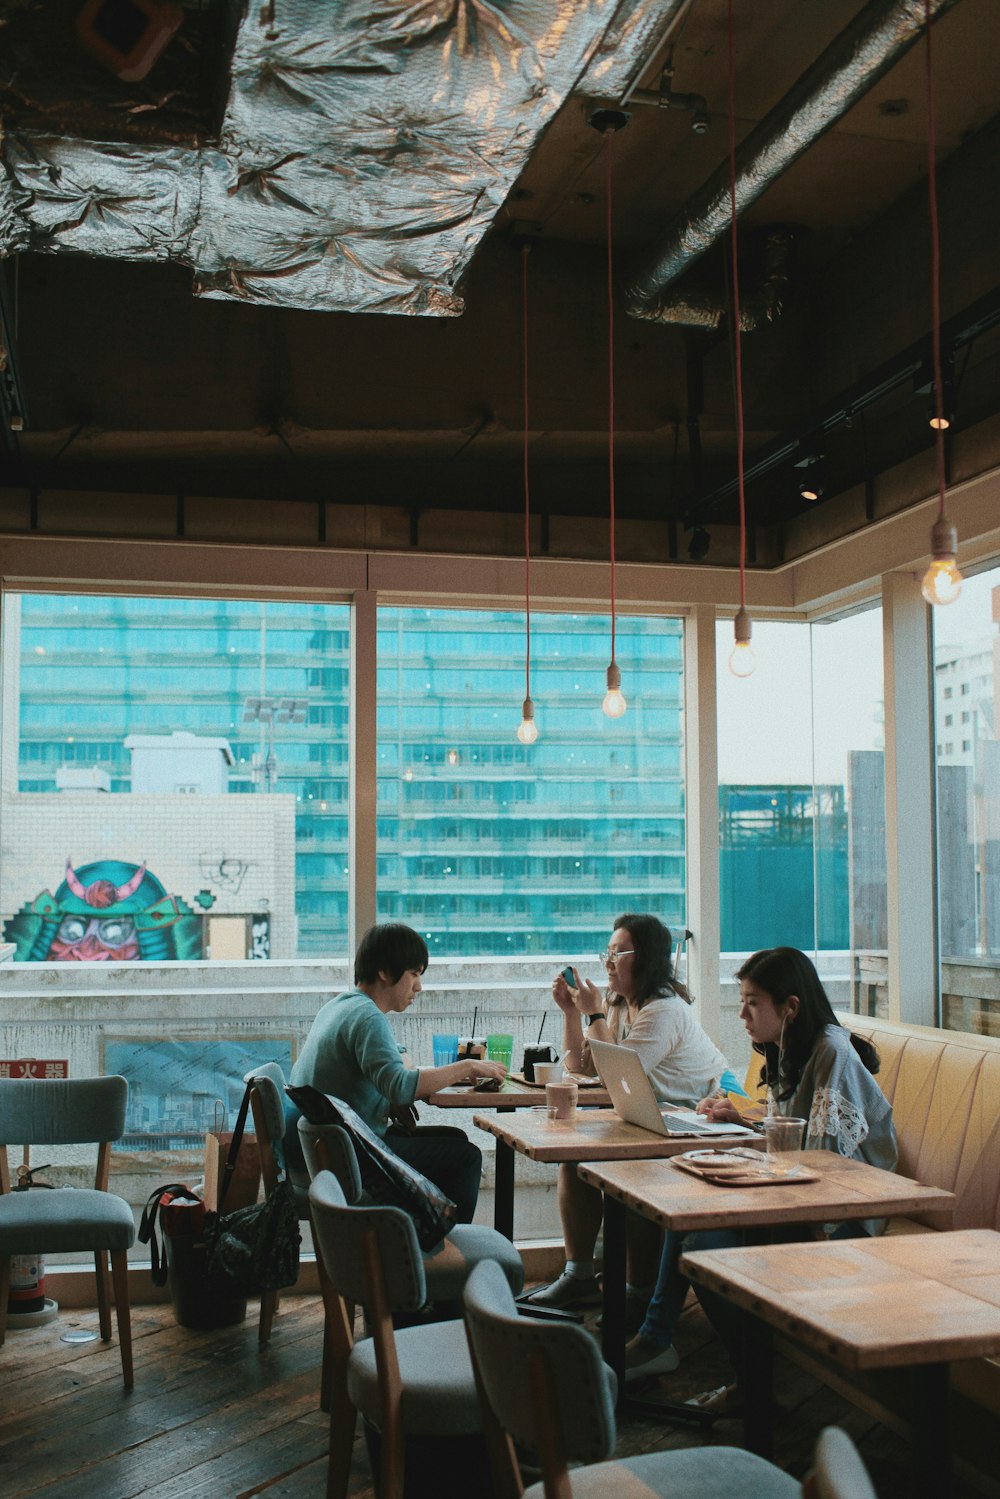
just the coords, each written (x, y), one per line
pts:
(944, 1087)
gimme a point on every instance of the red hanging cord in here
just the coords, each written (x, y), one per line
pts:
(736, 299)
(527, 492)
(935, 266)
(609, 137)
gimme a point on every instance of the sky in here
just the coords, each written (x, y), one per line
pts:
(765, 733)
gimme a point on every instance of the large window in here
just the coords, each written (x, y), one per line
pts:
(491, 847)
(802, 795)
(966, 678)
(176, 786)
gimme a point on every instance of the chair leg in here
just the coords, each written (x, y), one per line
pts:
(123, 1312)
(268, 1307)
(337, 1336)
(329, 1298)
(103, 1293)
(4, 1293)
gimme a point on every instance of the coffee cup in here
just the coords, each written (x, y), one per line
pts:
(533, 1054)
(548, 1072)
(560, 1102)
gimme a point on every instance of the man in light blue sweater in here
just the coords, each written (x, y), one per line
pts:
(352, 1053)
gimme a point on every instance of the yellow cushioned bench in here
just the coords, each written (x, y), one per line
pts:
(944, 1087)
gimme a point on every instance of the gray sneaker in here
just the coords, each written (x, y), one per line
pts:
(566, 1293)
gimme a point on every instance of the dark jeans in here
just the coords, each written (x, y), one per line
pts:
(448, 1158)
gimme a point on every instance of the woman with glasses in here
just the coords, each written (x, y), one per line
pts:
(647, 1009)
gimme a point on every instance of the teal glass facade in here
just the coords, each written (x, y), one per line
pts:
(488, 846)
(484, 845)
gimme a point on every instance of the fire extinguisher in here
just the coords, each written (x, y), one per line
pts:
(27, 1304)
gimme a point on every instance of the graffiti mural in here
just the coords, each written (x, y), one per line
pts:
(105, 912)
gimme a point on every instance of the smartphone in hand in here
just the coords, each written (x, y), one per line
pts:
(567, 974)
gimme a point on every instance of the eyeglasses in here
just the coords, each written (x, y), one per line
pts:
(609, 957)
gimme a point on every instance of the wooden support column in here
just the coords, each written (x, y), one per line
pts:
(910, 824)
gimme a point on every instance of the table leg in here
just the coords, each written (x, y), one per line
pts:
(613, 1321)
(503, 1189)
(929, 1431)
(757, 1381)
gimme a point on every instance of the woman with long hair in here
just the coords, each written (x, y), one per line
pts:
(644, 1007)
(813, 1069)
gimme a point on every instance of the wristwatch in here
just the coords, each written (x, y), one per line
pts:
(597, 1015)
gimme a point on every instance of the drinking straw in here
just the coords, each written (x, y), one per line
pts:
(541, 1028)
(475, 1013)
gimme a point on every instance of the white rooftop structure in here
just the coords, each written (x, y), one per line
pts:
(179, 763)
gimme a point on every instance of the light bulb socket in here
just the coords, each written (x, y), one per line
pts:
(944, 539)
(527, 710)
(614, 677)
(742, 628)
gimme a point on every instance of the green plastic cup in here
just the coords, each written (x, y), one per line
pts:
(500, 1049)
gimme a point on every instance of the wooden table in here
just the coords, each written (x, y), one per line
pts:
(911, 1301)
(510, 1096)
(672, 1197)
(597, 1136)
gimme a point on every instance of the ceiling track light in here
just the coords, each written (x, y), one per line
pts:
(809, 457)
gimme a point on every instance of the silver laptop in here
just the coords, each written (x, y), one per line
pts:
(623, 1075)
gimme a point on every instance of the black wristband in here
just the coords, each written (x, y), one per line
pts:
(597, 1015)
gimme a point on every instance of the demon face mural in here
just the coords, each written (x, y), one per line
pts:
(108, 912)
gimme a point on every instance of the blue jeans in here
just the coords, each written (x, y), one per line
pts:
(667, 1301)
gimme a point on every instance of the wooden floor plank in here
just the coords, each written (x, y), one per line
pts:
(215, 1416)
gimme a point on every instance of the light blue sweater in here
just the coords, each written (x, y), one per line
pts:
(352, 1053)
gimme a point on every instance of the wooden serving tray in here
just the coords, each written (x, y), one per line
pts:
(718, 1172)
(568, 1077)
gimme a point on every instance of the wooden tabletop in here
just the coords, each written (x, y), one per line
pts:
(845, 1189)
(594, 1135)
(870, 1303)
(511, 1095)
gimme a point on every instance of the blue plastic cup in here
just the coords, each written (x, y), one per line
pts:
(445, 1050)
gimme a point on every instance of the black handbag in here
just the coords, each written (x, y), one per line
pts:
(386, 1179)
(257, 1246)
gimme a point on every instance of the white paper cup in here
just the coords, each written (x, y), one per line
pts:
(548, 1072)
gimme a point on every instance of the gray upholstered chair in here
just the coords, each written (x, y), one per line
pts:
(64, 1111)
(547, 1386)
(446, 1268)
(412, 1383)
(267, 1103)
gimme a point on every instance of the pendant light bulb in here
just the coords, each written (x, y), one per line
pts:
(614, 704)
(942, 582)
(742, 660)
(527, 729)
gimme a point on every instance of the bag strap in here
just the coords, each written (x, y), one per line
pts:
(148, 1225)
(229, 1170)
